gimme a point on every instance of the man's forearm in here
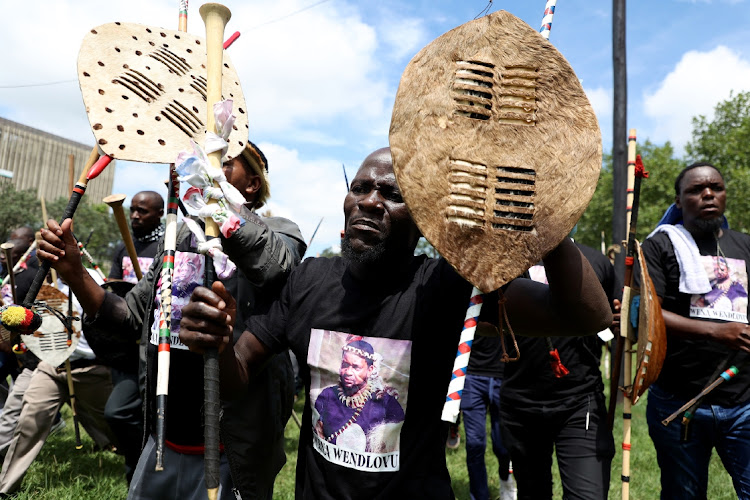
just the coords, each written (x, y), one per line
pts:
(681, 326)
(574, 303)
(89, 294)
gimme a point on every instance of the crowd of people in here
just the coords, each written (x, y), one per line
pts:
(375, 332)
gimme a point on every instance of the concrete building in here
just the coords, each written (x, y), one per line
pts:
(41, 161)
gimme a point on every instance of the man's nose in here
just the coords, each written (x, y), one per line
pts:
(372, 200)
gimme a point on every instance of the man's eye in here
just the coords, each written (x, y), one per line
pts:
(394, 196)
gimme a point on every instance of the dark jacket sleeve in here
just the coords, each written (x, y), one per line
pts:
(127, 316)
(265, 249)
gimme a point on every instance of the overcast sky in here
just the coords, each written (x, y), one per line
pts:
(320, 77)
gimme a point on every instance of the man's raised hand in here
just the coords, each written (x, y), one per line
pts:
(59, 247)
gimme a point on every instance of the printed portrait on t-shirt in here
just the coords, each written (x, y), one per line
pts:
(538, 274)
(189, 269)
(128, 272)
(358, 393)
(727, 300)
(6, 294)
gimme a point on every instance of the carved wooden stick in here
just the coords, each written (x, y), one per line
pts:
(8, 251)
(115, 201)
(215, 16)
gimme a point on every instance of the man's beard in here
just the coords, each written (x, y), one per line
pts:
(371, 255)
(709, 226)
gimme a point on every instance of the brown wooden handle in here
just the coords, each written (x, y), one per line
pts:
(215, 16)
(115, 202)
(8, 251)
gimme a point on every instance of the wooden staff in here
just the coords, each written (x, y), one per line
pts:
(8, 251)
(165, 295)
(182, 25)
(71, 173)
(691, 406)
(165, 317)
(215, 16)
(90, 258)
(23, 259)
(69, 372)
(626, 327)
(89, 172)
(180, 205)
(115, 202)
(52, 272)
(625, 306)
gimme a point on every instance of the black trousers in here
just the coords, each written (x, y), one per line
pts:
(124, 414)
(578, 434)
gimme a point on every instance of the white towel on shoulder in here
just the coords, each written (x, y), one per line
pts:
(693, 278)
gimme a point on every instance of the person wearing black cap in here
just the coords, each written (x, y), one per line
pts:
(264, 249)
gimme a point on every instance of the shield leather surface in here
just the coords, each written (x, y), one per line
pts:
(652, 334)
(49, 343)
(145, 92)
(495, 147)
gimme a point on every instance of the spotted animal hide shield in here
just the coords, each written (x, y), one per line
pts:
(495, 146)
(145, 92)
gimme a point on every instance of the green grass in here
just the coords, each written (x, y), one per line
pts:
(63, 473)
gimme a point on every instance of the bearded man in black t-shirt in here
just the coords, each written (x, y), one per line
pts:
(123, 410)
(699, 270)
(399, 304)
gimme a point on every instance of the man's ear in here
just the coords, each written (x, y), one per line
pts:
(677, 202)
(253, 186)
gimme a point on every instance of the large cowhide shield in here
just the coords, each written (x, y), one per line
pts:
(50, 342)
(495, 146)
(145, 92)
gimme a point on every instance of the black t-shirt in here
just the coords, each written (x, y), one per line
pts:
(530, 383)
(486, 353)
(412, 322)
(185, 400)
(122, 267)
(691, 364)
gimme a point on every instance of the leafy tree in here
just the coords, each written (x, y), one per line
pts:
(725, 142)
(330, 252)
(97, 220)
(17, 209)
(424, 247)
(598, 215)
(657, 193)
